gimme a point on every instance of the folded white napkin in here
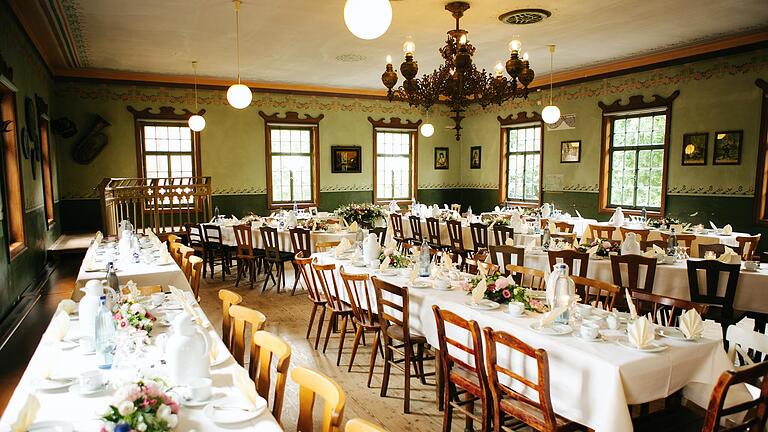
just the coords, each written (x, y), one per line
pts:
(552, 227)
(531, 244)
(548, 318)
(446, 262)
(509, 241)
(414, 273)
(213, 343)
(27, 414)
(592, 250)
(640, 332)
(729, 257)
(691, 325)
(656, 252)
(384, 264)
(67, 305)
(343, 246)
(245, 384)
(353, 227)
(714, 227)
(479, 291)
(727, 229)
(59, 326)
(496, 209)
(630, 304)
(482, 268)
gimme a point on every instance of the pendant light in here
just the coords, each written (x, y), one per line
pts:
(368, 19)
(238, 95)
(427, 129)
(196, 122)
(551, 113)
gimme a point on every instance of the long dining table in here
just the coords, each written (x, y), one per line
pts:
(592, 383)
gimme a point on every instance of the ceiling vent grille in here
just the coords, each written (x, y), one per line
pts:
(525, 16)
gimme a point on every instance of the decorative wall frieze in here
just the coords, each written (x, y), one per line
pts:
(291, 117)
(364, 187)
(637, 102)
(711, 190)
(240, 191)
(395, 122)
(520, 117)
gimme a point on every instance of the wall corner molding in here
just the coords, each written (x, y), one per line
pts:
(637, 102)
(519, 118)
(291, 117)
(394, 123)
(166, 113)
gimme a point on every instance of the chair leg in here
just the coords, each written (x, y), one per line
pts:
(295, 278)
(387, 367)
(240, 271)
(341, 340)
(420, 362)
(320, 326)
(374, 350)
(448, 411)
(252, 271)
(311, 319)
(355, 343)
(328, 332)
(268, 269)
(468, 422)
(407, 385)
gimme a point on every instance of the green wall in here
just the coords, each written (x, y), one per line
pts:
(31, 77)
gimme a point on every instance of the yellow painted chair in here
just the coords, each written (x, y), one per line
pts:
(241, 317)
(267, 346)
(312, 384)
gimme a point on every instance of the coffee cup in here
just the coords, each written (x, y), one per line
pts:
(440, 284)
(516, 308)
(670, 259)
(585, 310)
(752, 265)
(200, 389)
(157, 299)
(613, 321)
(589, 330)
(91, 380)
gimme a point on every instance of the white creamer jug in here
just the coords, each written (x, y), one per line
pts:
(371, 248)
(187, 351)
(89, 304)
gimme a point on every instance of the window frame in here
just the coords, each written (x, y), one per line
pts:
(13, 200)
(518, 121)
(46, 168)
(634, 108)
(396, 125)
(761, 176)
(291, 120)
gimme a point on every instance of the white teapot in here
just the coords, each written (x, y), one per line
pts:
(89, 304)
(618, 217)
(630, 245)
(290, 220)
(371, 248)
(546, 210)
(187, 351)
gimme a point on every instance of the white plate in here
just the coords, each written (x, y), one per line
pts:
(484, 304)
(387, 272)
(578, 336)
(195, 404)
(522, 315)
(82, 392)
(419, 284)
(674, 333)
(651, 348)
(447, 288)
(221, 358)
(51, 426)
(227, 411)
(46, 384)
(554, 330)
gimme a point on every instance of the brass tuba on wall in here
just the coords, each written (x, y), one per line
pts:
(92, 143)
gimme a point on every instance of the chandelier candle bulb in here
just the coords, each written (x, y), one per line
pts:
(499, 68)
(389, 60)
(409, 47)
(514, 46)
(525, 56)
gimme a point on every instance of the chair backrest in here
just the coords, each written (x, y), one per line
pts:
(173, 238)
(748, 245)
(602, 231)
(566, 237)
(308, 277)
(194, 235)
(594, 290)
(325, 276)
(478, 257)
(754, 410)
(501, 233)
(244, 240)
(211, 234)
(527, 277)
(147, 290)
(313, 384)
(195, 274)
(685, 240)
(537, 413)
(228, 298)
(267, 346)
(642, 234)
(717, 248)
(324, 246)
(746, 346)
(381, 233)
(564, 227)
(175, 251)
(241, 316)
(360, 425)
(456, 208)
(479, 235)
(271, 242)
(570, 257)
(664, 310)
(415, 222)
(506, 253)
(185, 253)
(433, 231)
(633, 263)
(396, 221)
(392, 307)
(648, 244)
(712, 270)
(455, 235)
(300, 240)
(359, 296)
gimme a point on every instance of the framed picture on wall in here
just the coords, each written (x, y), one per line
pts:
(346, 159)
(695, 148)
(570, 151)
(441, 158)
(474, 157)
(727, 149)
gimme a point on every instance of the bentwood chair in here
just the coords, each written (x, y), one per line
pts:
(195, 275)
(508, 255)
(641, 234)
(501, 233)
(479, 233)
(746, 346)
(398, 339)
(720, 305)
(363, 315)
(416, 236)
(456, 238)
(564, 227)
(527, 277)
(665, 311)
(463, 369)
(339, 309)
(195, 241)
(717, 248)
(274, 257)
(247, 257)
(748, 245)
(754, 411)
(507, 402)
(360, 425)
(314, 292)
(601, 231)
(433, 234)
(228, 298)
(241, 316)
(265, 347)
(215, 249)
(313, 384)
(173, 238)
(300, 240)
(594, 291)
(184, 254)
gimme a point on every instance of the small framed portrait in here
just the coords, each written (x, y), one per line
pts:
(695, 148)
(346, 159)
(727, 148)
(441, 158)
(475, 152)
(570, 151)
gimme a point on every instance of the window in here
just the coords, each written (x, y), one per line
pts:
(292, 160)
(168, 150)
(394, 165)
(523, 154)
(14, 200)
(45, 150)
(761, 177)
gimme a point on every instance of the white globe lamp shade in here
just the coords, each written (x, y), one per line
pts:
(239, 96)
(368, 19)
(550, 114)
(427, 129)
(196, 123)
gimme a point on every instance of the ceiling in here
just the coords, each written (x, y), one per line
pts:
(306, 42)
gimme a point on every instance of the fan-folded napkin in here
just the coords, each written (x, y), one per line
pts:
(343, 246)
(384, 264)
(59, 326)
(67, 305)
(509, 241)
(630, 304)
(353, 227)
(691, 324)
(446, 262)
(640, 332)
(727, 229)
(729, 257)
(551, 316)
(414, 273)
(530, 245)
(655, 253)
(26, 415)
(246, 386)
(479, 291)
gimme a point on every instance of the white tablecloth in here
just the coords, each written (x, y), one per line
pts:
(284, 237)
(591, 383)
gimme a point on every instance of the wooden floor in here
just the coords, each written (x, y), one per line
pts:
(287, 317)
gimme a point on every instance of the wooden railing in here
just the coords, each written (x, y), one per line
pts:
(160, 205)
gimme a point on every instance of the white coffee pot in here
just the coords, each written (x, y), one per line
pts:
(88, 306)
(187, 351)
(371, 248)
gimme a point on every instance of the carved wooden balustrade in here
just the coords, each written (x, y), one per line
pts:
(160, 205)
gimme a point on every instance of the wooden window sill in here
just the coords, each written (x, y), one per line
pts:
(15, 249)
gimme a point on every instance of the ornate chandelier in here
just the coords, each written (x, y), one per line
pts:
(457, 81)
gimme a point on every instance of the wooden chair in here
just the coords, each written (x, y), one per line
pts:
(416, 236)
(313, 384)
(593, 290)
(478, 257)
(173, 238)
(215, 249)
(564, 227)
(247, 257)
(538, 414)
(433, 234)
(196, 275)
(519, 273)
(501, 233)
(314, 292)
(266, 346)
(175, 250)
(241, 316)
(664, 310)
(396, 222)
(570, 257)
(325, 246)
(184, 254)
(748, 245)
(641, 234)
(507, 253)
(754, 410)
(395, 331)
(479, 233)
(685, 240)
(143, 290)
(543, 223)
(381, 234)
(569, 238)
(464, 380)
(648, 244)
(633, 263)
(339, 309)
(363, 315)
(228, 298)
(196, 242)
(746, 347)
(300, 241)
(720, 306)
(717, 248)
(456, 238)
(360, 425)
(456, 208)
(274, 257)
(602, 231)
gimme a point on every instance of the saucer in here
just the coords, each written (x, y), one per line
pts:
(230, 411)
(484, 304)
(75, 388)
(578, 336)
(675, 333)
(652, 347)
(51, 426)
(553, 330)
(47, 384)
(419, 284)
(189, 403)
(522, 315)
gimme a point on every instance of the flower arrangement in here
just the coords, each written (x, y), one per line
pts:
(250, 218)
(663, 221)
(495, 219)
(131, 313)
(503, 289)
(364, 214)
(604, 247)
(396, 259)
(141, 407)
(315, 224)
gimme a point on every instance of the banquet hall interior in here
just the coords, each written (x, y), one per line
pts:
(383, 215)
